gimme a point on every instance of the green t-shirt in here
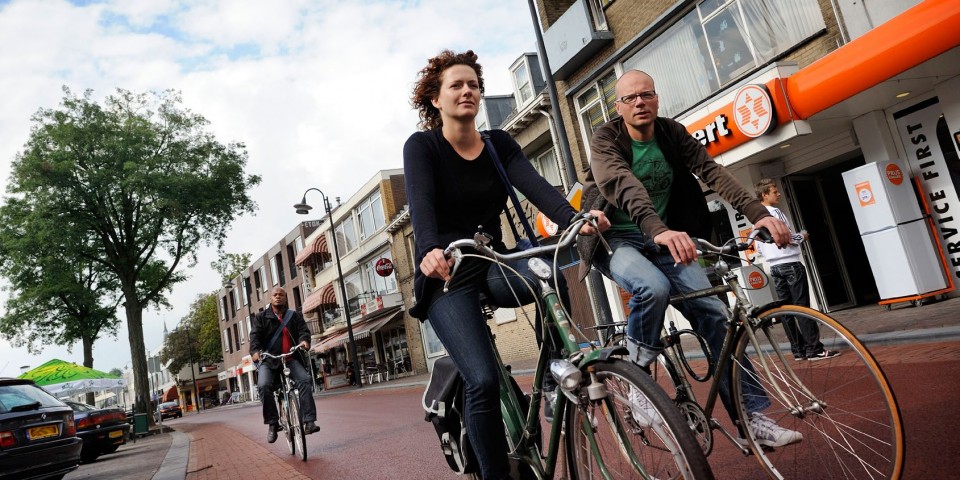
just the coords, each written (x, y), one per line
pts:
(652, 169)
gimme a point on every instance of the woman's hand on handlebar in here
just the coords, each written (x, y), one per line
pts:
(603, 223)
(436, 265)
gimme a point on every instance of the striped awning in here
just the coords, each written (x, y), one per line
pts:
(318, 246)
(360, 331)
(319, 298)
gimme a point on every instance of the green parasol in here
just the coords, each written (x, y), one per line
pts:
(64, 378)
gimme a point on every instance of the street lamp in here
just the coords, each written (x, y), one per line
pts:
(303, 208)
(193, 375)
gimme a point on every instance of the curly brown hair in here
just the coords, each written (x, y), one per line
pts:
(427, 87)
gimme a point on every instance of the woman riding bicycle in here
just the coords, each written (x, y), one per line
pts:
(453, 187)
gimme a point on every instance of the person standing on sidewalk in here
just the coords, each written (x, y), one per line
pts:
(790, 280)
(262, 331)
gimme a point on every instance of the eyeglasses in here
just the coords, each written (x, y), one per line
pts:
(632, 98)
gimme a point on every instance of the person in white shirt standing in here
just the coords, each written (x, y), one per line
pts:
(790, 280)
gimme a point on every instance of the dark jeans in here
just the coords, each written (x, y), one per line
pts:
(790, 281)
(457, 320)
(269, 380)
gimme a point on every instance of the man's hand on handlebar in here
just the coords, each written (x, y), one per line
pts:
(680, 244)
(778, 229)
(255, 357)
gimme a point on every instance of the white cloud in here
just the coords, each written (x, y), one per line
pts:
(318, 91)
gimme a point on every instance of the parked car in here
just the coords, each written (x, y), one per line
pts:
(38, 437)
(169, 410)
(102, 430)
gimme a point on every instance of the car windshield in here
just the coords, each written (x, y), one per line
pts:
(168, 405)
(13, 396)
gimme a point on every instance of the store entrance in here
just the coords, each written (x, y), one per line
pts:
(837, 261)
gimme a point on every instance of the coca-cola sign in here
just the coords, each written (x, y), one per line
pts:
(384, 267)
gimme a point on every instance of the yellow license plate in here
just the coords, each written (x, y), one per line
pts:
(45, 431)
(116, 433)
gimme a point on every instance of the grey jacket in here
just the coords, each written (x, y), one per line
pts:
(611, 184)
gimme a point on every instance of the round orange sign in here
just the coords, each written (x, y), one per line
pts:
(894, 174)
(755, 279)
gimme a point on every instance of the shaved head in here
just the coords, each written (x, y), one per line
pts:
(637, 103)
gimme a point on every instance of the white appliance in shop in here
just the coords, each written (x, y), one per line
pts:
(894, 233)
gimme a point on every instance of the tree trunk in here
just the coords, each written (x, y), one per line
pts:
(138, 353)
(88, 362)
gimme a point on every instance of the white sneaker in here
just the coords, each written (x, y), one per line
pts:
(640, 408)
(769, 434)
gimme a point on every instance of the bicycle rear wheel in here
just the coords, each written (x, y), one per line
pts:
(296, 426)
(843, 405)
(635, 424)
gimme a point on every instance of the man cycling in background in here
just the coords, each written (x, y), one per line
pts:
(264, 336)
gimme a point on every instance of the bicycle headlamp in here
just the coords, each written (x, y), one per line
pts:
(540, 268)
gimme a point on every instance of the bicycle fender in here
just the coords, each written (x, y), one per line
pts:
(602, 355)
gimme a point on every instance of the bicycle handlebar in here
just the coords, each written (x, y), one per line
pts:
(761, 234)
(481, 243)
(265, 354)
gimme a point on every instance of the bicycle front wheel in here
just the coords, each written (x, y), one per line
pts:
(634, 432)
(286, 419)
(842, 405)
(296, 426)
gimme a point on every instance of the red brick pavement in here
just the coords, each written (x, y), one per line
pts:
(214, 449)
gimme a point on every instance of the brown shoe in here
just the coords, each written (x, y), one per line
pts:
(310, 427)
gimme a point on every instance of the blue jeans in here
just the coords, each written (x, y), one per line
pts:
(790, 280)
(460, 325)
(647, 272)
(268, 378)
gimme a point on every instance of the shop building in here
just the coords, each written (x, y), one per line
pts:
(373, 299)
(800, 91)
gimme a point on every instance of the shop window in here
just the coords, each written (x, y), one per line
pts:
(375, 283)
(431, 342)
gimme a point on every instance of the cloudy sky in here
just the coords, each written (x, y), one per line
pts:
(317, 90)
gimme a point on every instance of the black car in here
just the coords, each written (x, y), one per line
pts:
(38, 438)
(102, 430)
(168, 410)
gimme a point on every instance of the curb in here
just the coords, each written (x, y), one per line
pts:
(174, 466)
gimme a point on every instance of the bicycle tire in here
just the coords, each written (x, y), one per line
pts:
(858, 433)
(664, 445)
(287, 426)
(296, 426)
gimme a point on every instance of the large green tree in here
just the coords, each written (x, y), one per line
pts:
(197, 337)
(56, 297)
(145, 179)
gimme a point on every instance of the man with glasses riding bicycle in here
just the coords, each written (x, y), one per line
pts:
(266, 336)
(642, 176)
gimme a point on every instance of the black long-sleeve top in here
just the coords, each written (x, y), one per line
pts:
(450, 196)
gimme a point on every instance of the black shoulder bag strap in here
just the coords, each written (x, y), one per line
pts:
(510, 191)
(276, 335)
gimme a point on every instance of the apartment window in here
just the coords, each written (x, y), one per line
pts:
(412, 249)
(227, 347)
(546, 164)
(297, 301)
(244, 290)
(374, 282)
(273, 270)
(298, 244)
(522, 85)
(223, 308)
(354, 286)
(233, 302)
(595, 104)
(249, 320)
(243, 337)
(597, 15)
(262, 278)
(279, 264)
(236, 335)
(346, 235)
(370, 214)
(482, 116)
(292, 261)
(719, 42)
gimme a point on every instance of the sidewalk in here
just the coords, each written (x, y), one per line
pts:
(197, 450)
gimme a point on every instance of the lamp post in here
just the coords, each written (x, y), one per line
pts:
(303, 208)
(193, 374)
